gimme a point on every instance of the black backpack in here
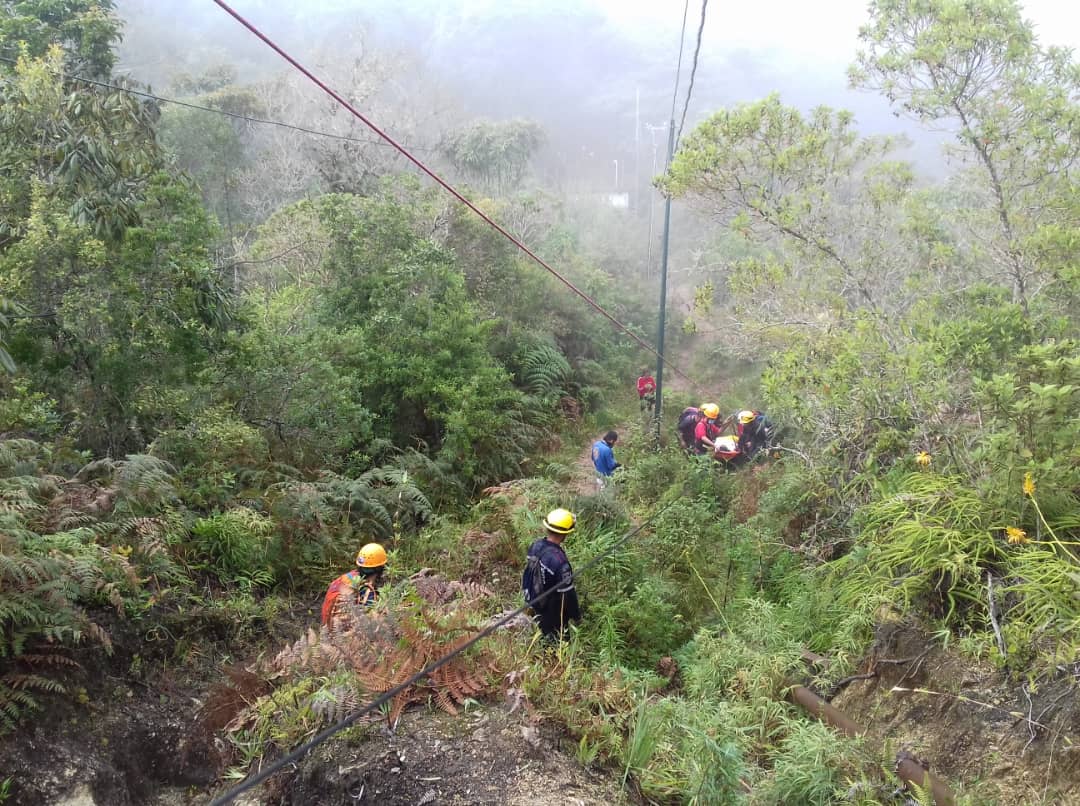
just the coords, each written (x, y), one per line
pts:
(688, 420)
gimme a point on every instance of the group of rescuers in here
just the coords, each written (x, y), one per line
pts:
(547, 582)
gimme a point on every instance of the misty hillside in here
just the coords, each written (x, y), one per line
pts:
(445, 439)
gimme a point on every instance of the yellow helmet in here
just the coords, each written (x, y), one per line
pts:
(371, 556)
(710, 410)
(746, 416)
(560, 521)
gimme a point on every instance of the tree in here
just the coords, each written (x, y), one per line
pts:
(976, 66)
(115, 332)
(89, 149)
(827, 203)
(87, 30)
(5, 357)
(210, 147)
(496, 155)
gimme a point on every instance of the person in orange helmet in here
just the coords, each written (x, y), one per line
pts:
(360, 586)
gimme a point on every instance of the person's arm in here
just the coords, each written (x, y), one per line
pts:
(609, 462)
(566, 593)
(701, 432)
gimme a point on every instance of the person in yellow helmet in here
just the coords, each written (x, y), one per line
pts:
(706, 431)
(360, 586)
(753, 429)
(548, 580)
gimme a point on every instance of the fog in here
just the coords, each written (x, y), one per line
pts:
(596, 74)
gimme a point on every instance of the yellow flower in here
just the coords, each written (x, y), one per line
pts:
(1016, 535)
(923, 459)
(1029, 485)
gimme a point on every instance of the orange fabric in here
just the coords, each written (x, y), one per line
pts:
(352, 583)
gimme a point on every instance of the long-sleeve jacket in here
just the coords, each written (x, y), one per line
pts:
(547, 568)
(603, 458)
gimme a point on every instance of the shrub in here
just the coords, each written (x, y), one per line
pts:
(236, 546)
(212, 452)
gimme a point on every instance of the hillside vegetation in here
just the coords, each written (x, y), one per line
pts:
(232, 355)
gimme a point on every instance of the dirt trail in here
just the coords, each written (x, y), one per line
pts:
(584, 480)
(488, 757)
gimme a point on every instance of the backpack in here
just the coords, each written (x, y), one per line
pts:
(530, 578)
(688, 420)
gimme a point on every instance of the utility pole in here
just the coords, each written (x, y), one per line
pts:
(652, 197)
(663, 287)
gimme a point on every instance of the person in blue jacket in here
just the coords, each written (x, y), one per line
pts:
(603, 458)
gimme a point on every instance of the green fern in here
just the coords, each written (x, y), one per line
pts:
(543, 371)
(322, 521)
(145, 483)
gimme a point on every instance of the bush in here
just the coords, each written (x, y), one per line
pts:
(236, 546)
(212, 453)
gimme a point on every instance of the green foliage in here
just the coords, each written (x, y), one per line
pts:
(87, 30)
(117, 348)
(5, 357)
(774, 175)
(926, 543)
(494, 154)
(86, 151)
(976, 64)
(53, 567)
(322, 523)
(236, 546)
(214, 453)
(210, 147)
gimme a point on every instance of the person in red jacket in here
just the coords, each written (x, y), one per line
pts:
(706, 430)
(361, 585)
(646, 391)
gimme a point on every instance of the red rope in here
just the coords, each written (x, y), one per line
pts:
(447, 186)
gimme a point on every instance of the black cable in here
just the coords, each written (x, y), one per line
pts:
(386, 696)
(234, 115)
(678, 64)
(693, 72)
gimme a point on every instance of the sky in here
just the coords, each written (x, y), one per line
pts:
(824, 30)
(585, 69)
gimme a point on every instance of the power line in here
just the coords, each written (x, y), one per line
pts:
(678, 64)
(444, 184)
(234, 115)
(387, 696)
(693, 72)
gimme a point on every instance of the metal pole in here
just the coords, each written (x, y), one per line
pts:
(663, 286)
(906, 767)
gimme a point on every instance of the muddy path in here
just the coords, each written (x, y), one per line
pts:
(126, 730)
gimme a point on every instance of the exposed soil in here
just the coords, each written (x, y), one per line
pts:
(126, 731)
(488, 756)
(584, 480)
(991, 748)
(130, 732)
